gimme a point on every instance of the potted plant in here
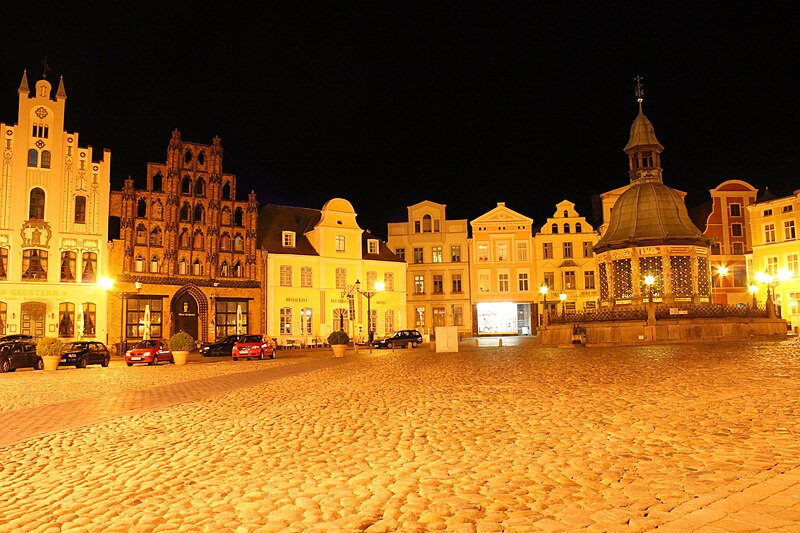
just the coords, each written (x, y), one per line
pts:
(338, 341)
(180, 345)
(50, 350)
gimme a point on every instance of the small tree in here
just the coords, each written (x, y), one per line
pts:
(338, 337)
(49, 346)
(182, 342)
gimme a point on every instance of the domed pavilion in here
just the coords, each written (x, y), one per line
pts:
(649, 236)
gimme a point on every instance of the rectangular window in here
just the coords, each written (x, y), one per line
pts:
(3, 263)
(458, 315)
(438, 316)
(547, 250)
(587, 249)
(550, 280)
(567, 250)
(306, 276)
(483, 282)
(419, 284)
(738, 248)
(89, 274)
(522, 251)
(388, 321)
(767, 212)
(523, 281)
(569, 280)
(772, 266)
(736, 230)
(502, 282)
(735, 210)
(792, 264)
(455, 253)
(34, 265)
(502, 251)
(769, 232)
(388, 281)
(418, 257)
(417, 226)
(419, 320)
(437, 254)
(68, 266)
(340, 243)
(288, 239)
(588, 279)
(788, 230)
(401, 253)
(286, 275)
(438, 284)
(787, 209)
(134, 317)
(372, 277)
(286, 320)
(483, 253)
(372, 247)
(80, 210)
(456, 283)
(341, 278)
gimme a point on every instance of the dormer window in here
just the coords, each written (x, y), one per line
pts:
(288, 239)
(372, 246)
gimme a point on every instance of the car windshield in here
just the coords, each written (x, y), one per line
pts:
(148, 344)
(251, 338)
(75, 346)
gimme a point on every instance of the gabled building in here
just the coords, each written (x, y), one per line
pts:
(435, 250)
(502, 271)
(187, 253)
(324, 273)
(53, 222)
(565, 262)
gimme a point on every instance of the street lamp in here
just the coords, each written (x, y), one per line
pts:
(349, 295)
(649, 280)
(107, 284)
(543, 291)
(563, 298)
(753, 289)
(368, 294)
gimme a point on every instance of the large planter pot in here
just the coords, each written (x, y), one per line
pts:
(338, 349)
(51, 362)
(180, 357)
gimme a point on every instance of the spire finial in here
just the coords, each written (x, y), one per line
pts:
(45, 68)
(639, 90)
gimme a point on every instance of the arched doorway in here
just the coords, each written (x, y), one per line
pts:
(33, 318)
(185, 313)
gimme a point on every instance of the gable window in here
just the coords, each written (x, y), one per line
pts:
(554, 228)
(288, 239)
(372, 246)
(426, 224)
(340, 243)
(566, 228)
(578, 227)
(34, 264)
(226, 191)
(80, 209)
(36, 204)
(238, 217)
(141, 208)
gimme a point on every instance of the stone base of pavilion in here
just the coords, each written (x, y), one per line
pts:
(673, 330)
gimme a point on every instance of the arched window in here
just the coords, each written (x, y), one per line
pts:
(185, 242)
(238, 243)
(68, 266)
(36, 207)
(237, 270)
(197, 267)
(141, 235)
(45, 158)
(184, 214)
(197, 240)
(138, 265)
(157, 210)
(305, 321)
(187, 156)
(226, 191)
(566, 213)
(238, 217)
(141, 208)
(154, 264)
(186, 185)
(3, 263)
(578, 227)
(223, 269)
(89, 318)
(225, 242)
(226, 216)
(199, 213)
(554, 228)
(182, 266)
(566, 228)
(33, 157)
(34, 264)
(89, 274)
(201, 157)
(155, 237)
(200, 187)
(427, 225)
(158, 182)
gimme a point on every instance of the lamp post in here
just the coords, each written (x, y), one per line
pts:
(753, 289)
(722, 271)
(649, 280)
(351, 289)
(563, 298)
(368, 294)
(543, 291)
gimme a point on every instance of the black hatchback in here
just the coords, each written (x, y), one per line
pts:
(19, 354)
(223, 347)
(401, 338)
(82, 353)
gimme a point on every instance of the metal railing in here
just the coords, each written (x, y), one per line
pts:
(663, 312)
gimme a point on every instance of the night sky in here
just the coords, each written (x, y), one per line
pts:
(388, 104)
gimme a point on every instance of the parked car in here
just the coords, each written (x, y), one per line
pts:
(16, 337)
(253, 346)
(19, 354)
(221, 347)
(151, 351)
(401, 338)
(82, 353)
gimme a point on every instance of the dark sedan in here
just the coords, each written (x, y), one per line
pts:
(82, 353)
(19, 354)
(223, 347)
(401, 339)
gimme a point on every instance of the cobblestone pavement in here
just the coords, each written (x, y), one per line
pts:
(514, 438)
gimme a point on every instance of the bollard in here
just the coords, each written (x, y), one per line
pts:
(476, 343)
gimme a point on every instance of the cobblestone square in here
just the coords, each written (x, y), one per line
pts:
(516, 437)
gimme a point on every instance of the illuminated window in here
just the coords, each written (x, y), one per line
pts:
(286, 320)
(455, 253)
(238, 243)
(288, 239)
(237, 270)
(372, 246)
(502, 251)
(182, 267)
(419, 284)
(197, 267)
(66, 319)
(437, 254)
(306, 321)
(522, 251)
(792, 264)
(420, 317)
(483, 252)
(138, 265)
(371, 278)
(154, 264)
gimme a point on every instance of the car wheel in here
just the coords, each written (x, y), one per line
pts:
(130, 364)
(154, 361)
(272, 355)
(4, 365)
(105, 362)
(414, 344)
(38, 366)
(261, 355)
(390, 345)
(81, 363)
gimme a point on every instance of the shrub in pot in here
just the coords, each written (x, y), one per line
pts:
(338, 341)
(180, 345)
(50, 350)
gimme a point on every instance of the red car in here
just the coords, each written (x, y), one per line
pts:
(252, 347)
(151, 351)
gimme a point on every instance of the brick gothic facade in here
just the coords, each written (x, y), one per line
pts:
(190, 246)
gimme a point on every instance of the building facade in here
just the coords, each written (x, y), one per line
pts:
(565, 263)
(324, 273)
(53, 223)
(502, 269)
(435, 250)
(187, 253)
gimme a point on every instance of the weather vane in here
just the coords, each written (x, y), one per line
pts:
(45, 68)
(639, 88)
